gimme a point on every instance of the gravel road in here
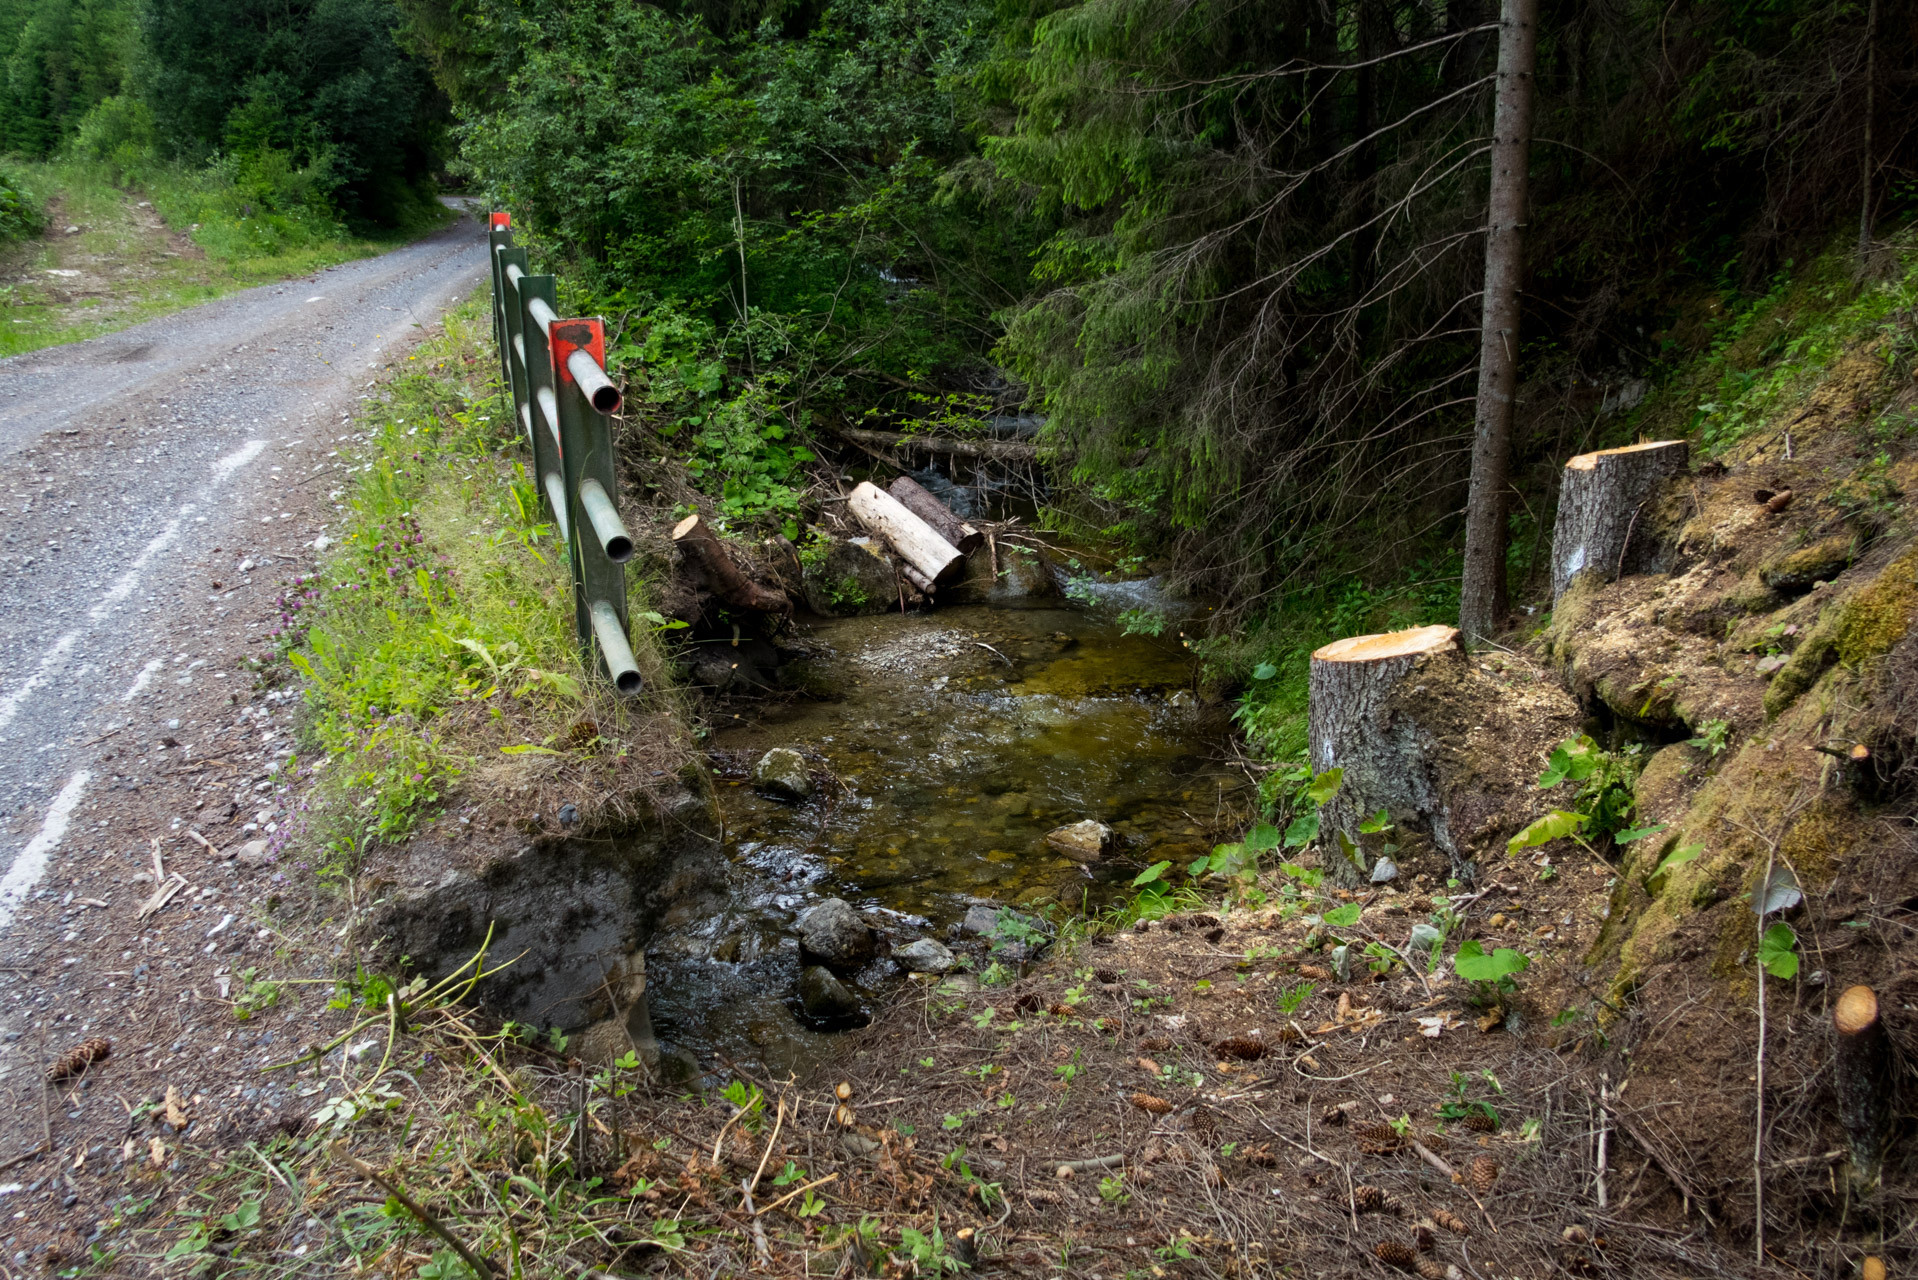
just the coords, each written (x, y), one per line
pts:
(157, 483)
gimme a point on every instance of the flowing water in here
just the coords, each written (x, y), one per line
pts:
(958, 739)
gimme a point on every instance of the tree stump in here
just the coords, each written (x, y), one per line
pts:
(723, 577)
(915, 498)
(1356, 727)
(1862, 1080)
(1600, 503)
(911, 539)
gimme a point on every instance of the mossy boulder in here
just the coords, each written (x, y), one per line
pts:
(1796, 572)
(1863, 624)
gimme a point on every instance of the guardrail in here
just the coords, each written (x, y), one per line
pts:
(556, 371)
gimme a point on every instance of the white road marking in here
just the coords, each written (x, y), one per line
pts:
(140, 681)
(10, 705)
(32, 862)
(124, 584)
(226, 466)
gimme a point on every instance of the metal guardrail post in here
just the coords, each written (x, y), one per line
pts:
(600, 543)
(499, 235)
(536, 295)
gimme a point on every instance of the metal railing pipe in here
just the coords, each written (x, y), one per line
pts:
(556, 494)
(615, 648)
(593, 382)
(604, 517)
(543, 316)
(549, 414)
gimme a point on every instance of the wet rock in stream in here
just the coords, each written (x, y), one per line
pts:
(924, 956)
(1086, 841)
(782, 774)
(833, 934)
(824, 996)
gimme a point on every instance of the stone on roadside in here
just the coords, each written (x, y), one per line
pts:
(252, 853)
(1085, 841)
(1384, 870)
(782, 774)
(924, 956)
(825, 997)
(833, 934)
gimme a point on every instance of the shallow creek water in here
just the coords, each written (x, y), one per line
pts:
(958, 739)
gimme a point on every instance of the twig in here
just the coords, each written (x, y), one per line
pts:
(816, 1182)
(760, 1246)
(1070, 1167)
(994, 652)
(1604, 1134)
(779, 1119)
(481, 1268)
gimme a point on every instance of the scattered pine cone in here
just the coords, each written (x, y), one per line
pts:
(79, 1058)
(1315, 973)
(1432, 1270)
(1333, 1115)
(1146, 1102)
(1244, 1048)
(1263, 1156)
(1107, 976)
(1484, 1174)
(1374, 1200)
(1027, 1003)
(1479, 1122)
(1205, 1123)
(1060, 1011)
(1155, 1044)
(1433, 1142)
(1396, 1253)
(1378, 1139)
(1451, 1222)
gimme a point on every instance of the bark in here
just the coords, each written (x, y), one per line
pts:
(911, 539)
(1601, 526)
(1862, 1080)
(914, 498)
(1482, 603)
(1386, 761)
(723, 577)
(995, 450)
(1865, 162)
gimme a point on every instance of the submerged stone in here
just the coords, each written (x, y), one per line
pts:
(782, 774)
(824, 996)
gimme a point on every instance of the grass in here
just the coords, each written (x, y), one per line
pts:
(437, 643)
(140, 254)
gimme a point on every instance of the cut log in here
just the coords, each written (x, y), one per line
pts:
(996, 450)
(1600, 527)
(724, 578)
(1862, 1080)
(911, 539)
(914, 498)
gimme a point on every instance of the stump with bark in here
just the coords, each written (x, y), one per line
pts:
(720, 575)
(916, 543)
(1445, 748)
(915, 498)
(1602, 503)
(1863, 1081)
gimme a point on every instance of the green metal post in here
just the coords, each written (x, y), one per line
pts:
(539, 293)
(499, 235)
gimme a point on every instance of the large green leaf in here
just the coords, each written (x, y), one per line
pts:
(1553, 826)
(1473, 965)
(1778, 951)
(1324, 786)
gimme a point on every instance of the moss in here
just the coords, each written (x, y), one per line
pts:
(1865, 624)
(1796, 571)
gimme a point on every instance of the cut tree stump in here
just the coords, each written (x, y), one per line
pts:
(915, 498)
(723, 577)
(1601, 503)
(911, 539)
(1863, 1081)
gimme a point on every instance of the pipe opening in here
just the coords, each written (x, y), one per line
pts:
(627, 682)
(619, 550)
(606, 399)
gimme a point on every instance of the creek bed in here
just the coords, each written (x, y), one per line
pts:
(956, 740)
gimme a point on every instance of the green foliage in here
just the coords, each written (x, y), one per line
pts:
(21, 217)
(1602, 805)
(1778, 950)
(1553, 826)
(1491, 974)
(254, 993)
(1711, 737)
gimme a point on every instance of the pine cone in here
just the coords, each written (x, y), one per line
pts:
(1155, 1044)
(1106, 976)
(1146, 1102)
(1378, 1139)
(1375, 1200)
(1315, 973)
(1244, 1048)
(1333, 1115)
(1431, 1270)
(79, 1058)
(1451, 1222)
(1484, 1173)
(1479, 1122)
(1434, 1142)
(1262, 1156)
(1204, 1122)
(1396, 1253)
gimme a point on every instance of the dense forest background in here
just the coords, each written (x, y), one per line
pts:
(1230, 250)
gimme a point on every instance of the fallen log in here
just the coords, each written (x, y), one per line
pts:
(911, 539)
(1862, 1080)
(995, 450)
(1447, 751)
(724, 578)
(1600, 528)
(915, 498)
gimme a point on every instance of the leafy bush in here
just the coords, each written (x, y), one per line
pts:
(21, 217)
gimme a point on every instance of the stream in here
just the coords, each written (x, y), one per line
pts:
(946, 744)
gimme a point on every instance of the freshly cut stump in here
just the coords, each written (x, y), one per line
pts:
(723, 578)
(914, 541)
(917, 499)
(1862, 1080)
(1601, 501)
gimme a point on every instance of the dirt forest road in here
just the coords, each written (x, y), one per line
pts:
(156, 485)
